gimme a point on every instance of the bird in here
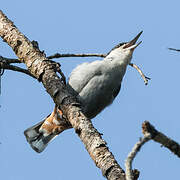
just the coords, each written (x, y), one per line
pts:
(95, 85)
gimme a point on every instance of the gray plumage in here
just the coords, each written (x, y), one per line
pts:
(96, 84)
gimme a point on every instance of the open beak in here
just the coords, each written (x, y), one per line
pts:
(131, 45)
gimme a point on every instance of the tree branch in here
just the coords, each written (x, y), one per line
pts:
(57, 55)
(15, 68)
(133, 153)
(161, 138)
(9, 60)
(145, 78)
(149, 133)
(173, 49)
(44, 70)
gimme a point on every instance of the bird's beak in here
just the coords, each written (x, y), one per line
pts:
(131, 45)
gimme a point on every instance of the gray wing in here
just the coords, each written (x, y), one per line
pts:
(93, 88)
(82, 74)
(98, 93)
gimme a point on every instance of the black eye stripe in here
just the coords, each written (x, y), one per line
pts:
(117, 46)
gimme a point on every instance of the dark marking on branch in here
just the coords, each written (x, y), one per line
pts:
(17, 46)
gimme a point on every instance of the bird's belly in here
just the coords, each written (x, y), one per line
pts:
(97, 95)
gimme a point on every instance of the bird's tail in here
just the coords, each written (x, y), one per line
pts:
(37, 139)
(39, 135)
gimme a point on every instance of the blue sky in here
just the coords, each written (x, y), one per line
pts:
(94, 27)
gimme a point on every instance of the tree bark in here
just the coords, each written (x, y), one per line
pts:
(45, 71)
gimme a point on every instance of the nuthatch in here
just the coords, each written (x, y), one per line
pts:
(95, 85)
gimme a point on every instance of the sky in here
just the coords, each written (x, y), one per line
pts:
(94, 27)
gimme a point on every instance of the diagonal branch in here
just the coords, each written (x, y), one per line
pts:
(45, 71)
(145, 78)
(149, 133)
(133, 153)
(159, 137)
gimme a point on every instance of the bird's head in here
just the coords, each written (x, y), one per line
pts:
(124, 51)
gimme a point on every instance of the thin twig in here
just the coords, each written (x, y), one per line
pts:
(9, 60)
(173, 49)
(133, 153)
(5, 64)
(149, 133)
(1, 73)
(159, 137)
(16, 68)
(145, 78)
(57, 55)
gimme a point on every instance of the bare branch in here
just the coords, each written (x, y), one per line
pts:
(173, 49)
(57, 55)
(45, 71)
(149, 133)
(161, 138)
(145, 78)
(15, 68)
(9, 60)
(133, 153)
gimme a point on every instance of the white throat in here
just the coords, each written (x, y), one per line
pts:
(119, 57)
